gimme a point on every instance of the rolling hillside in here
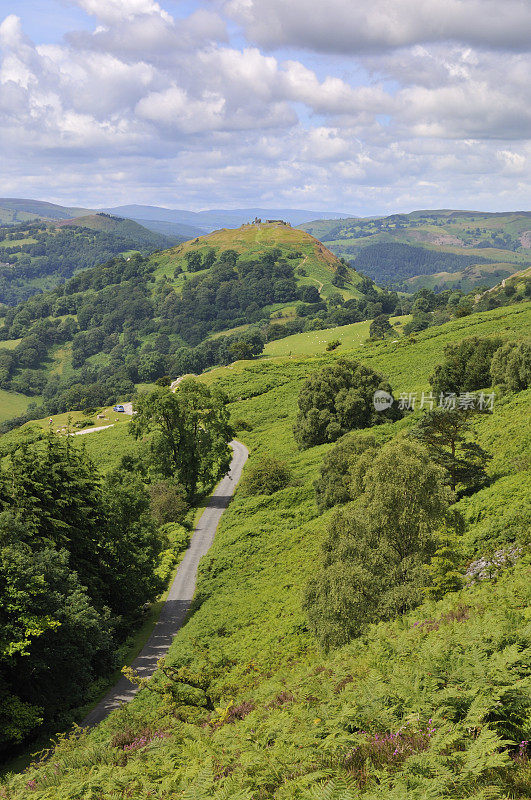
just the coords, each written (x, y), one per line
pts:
(437, 249)
(122, 227)
(23, 210)
(432, 703)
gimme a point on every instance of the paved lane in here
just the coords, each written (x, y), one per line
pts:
(181, 592)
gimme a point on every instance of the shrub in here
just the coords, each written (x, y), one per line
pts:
(168, 501)
(242, 425)
(337, 399)
(511, 366)
(333, 344)
(265, 476)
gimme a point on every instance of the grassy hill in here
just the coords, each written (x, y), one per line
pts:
(315, 264)
(447, 684)
(38, 209)
(124, 228)
(478, 247)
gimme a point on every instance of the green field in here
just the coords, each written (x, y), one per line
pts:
(288, 716)
(12, 404)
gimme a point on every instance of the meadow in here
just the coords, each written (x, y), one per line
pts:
(434, 704)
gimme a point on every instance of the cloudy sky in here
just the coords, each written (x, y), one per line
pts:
(363, 106)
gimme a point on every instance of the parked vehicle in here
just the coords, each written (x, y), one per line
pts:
(119, 408)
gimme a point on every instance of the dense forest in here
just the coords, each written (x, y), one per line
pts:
(392, 262)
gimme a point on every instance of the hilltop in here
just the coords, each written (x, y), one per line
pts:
(437, 249)
(315, 264)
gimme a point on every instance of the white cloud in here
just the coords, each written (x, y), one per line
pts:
(344, 26)
(112, 11)
(149, 107)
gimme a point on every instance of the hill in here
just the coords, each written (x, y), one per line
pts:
(315, 265)
(124, 228)
(437, 249)
(40, 254)
(432, 703)
(38, 209)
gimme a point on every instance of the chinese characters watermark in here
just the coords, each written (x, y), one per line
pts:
(449, 401)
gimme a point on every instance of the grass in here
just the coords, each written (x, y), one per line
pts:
(12, 404)
(302, 712)
(315, 341)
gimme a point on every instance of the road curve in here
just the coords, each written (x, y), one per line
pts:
(181, 592)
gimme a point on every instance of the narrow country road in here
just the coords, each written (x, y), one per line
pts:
(181, 592)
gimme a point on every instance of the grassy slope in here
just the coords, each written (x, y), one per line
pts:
(252, 240)
(248, 609)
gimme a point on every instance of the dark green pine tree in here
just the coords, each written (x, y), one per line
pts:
(448, 435)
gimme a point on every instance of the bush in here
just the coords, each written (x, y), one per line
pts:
(333, 345)
(242, 425)
(266, 476)
(168, 501)
(511, 366)
(339, 399)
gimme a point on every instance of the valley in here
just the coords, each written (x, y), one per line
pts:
(224, 336)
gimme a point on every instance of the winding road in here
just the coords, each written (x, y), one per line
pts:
(181, 592)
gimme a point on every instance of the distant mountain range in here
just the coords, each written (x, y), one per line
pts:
(168, 221)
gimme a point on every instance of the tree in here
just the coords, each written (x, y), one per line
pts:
(511, 366)
(380, 327)
(376, 548)
(53, 641)
(337, 399)
(466, 366)
(333, 487)
(189, 433)
(193, 261)
(447, 434)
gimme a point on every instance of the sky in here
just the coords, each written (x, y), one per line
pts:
(358, 106)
